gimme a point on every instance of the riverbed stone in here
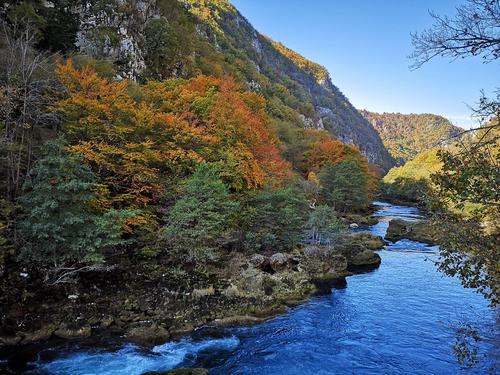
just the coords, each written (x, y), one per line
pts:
(361, 219)
(416, 231)
(322, 260)
(368, 241)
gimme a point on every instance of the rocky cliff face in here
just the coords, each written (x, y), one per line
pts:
(332, 110)
(407, 135)
(300, 91)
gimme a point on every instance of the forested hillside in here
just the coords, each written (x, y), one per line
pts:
(406, 136)
(167, 143)
(183, 38)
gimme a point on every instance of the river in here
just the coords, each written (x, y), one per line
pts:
(399, 319)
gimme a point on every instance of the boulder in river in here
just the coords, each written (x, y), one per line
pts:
(321, 260)
(416, 231)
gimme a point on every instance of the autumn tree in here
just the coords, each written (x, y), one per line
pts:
(326, 150)
(131, 145)
(244, 147)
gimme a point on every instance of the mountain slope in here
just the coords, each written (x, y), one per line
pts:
(308, 82)
(406, 136)
(161, 39)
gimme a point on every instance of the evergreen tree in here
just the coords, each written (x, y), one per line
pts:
(202, 217)
(277, 220)
(60, 228)
(344, 186)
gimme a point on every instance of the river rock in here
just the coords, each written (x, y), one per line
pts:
(278, 262)
(361, 219)
(365, 258)
(353, 226)
(68, 331)
(326, 282)
(416, 231)
(367, 241)
(147, 334)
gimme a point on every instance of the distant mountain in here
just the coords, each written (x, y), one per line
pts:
(406, 136)
(161, 39)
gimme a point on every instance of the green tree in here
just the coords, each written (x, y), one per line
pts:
(465, 207)
(344, 186)
(60, 229)
(323, 225)
(169, 42)
(277, 219)
(470, 175)
(198, 221)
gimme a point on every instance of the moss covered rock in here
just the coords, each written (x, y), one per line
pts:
(365, 258)
(368, 241)
(147, 334)
(416, 231)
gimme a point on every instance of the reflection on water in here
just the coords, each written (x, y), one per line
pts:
(402, 318)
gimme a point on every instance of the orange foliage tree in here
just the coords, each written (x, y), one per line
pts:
(137, 145)
(245, 150)
(323, 149)
(131, 145)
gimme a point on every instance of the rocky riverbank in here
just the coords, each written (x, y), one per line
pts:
(149, 304)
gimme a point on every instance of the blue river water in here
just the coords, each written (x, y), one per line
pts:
(402, 318)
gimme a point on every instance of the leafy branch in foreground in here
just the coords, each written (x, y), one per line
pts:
(466, 210)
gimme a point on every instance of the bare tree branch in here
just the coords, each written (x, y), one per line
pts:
(475, 31)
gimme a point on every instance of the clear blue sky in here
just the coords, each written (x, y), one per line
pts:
(364, 44)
